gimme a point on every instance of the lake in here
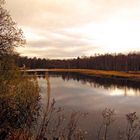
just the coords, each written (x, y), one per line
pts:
(78, 93)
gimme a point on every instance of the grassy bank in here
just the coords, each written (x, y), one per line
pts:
(134, 76)
(19, 97)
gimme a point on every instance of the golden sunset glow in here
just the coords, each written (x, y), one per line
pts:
(71, 28)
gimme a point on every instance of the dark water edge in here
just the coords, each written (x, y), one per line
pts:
(93, 80)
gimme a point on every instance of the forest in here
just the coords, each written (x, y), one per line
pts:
(113, 62)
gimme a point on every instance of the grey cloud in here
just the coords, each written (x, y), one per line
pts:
(60, 39)
(59, 43)
(54, 52)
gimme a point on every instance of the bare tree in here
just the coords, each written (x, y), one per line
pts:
(10, 35)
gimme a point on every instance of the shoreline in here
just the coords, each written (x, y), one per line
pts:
(132, 76)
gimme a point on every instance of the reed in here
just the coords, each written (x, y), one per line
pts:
(133, 76)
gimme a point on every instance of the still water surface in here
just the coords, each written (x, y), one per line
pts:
(92, 95)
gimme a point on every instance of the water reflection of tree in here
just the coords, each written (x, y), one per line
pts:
(55, 124)
(99, 82)
(48, 111)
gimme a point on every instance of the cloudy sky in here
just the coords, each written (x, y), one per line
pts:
(71, 28)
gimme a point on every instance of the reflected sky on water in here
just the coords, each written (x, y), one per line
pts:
(92, 96)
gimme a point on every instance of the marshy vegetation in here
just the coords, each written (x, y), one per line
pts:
(130, 76)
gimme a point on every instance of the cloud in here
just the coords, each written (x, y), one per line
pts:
(83, 26)
(55, 52)
(65, 13)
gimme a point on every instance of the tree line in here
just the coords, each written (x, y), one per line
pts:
(115, 62)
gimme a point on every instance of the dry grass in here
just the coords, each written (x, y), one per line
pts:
(19, 96)
(134, 76)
